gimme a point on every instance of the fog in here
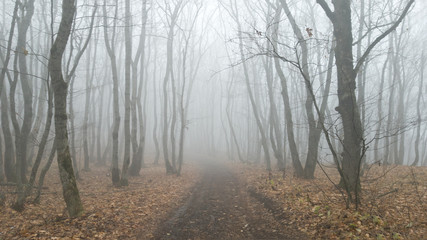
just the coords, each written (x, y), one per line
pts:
(221, 81)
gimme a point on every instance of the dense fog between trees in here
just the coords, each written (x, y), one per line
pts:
(288, 84)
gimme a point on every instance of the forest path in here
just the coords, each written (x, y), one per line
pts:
(220, 207)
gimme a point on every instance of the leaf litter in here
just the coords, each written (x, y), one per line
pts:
(394, 202)
(131, 212)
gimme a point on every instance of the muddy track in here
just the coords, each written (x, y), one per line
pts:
(220, 207)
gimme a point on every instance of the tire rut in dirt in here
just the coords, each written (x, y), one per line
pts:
(221, 208)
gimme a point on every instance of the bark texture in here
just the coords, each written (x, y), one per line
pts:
(60, 89)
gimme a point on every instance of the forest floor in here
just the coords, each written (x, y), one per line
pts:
(131, 212)
(215, 200)
(393, 202)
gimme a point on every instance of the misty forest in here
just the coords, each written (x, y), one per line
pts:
(213, 119)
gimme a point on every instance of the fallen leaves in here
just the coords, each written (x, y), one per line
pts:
(319, 210)
(110, 213)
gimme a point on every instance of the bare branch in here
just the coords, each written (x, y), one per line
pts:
(327, 9)
(80, 53)
(381, 37)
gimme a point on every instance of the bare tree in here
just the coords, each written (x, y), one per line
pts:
(89, 84)
(420, 90)
(169, 65)
(69, 186)
(285, 98)
(136, 98)
(22, 132)
(314, 130)
(9, 163)
(155, 98)
(185, 91)
(111, 48)
(346, 75)
(128, 65)
(235, 15)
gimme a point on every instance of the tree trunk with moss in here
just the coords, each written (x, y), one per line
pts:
(60, 89)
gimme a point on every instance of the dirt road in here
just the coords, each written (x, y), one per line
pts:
(220, 207)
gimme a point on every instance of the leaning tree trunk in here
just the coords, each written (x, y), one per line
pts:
(60, 89)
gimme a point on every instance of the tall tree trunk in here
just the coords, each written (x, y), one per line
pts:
(19, 204)
(399, 73)
(169, 65)
(420, 90)
(15, 123)
(137, 107)
(275, 135)
(392, 82)
(128, 63)
(347, 107)
(155, 126)
(89, 80)
(9, 148)
(115, 172)
(310, 165)
(99, 159)
(23, 26)
(9, 45)
(71, 69)
(346, 75)
(251, 96)
(380, 113)
(69, 186)
(360, 85)
(313, 131)
(72, 127)
(9, 153)
(296, 163)
(38, 119)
